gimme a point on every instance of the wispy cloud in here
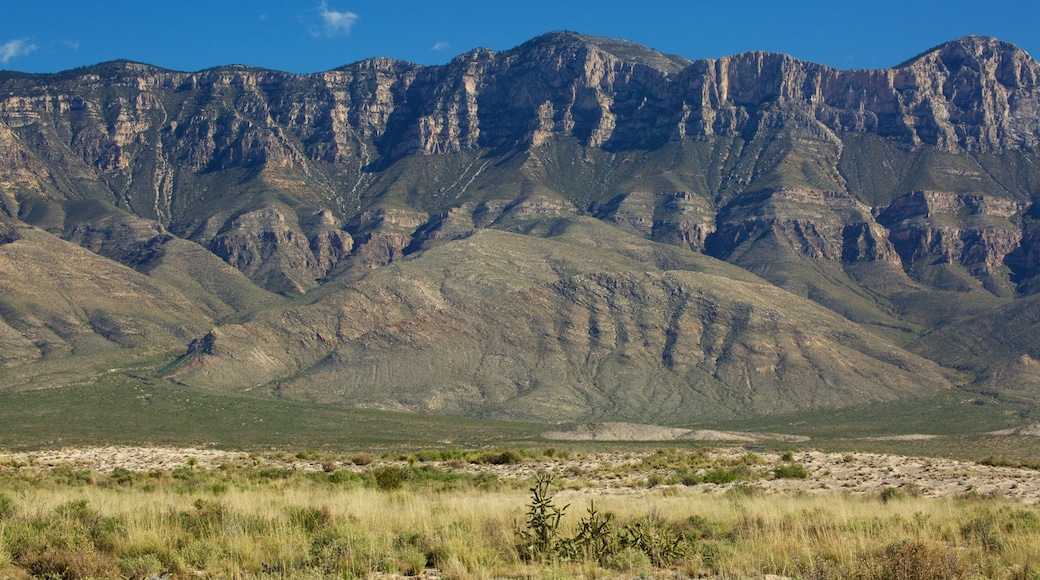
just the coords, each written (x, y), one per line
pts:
(15, 48)
(334, 22)
(73, 44)
(441, 46)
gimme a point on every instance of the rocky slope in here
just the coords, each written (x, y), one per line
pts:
(520, 234)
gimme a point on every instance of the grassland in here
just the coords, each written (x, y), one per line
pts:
(253, 519)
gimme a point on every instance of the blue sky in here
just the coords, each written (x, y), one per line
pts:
(315, 35)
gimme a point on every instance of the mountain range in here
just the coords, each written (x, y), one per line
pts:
(579, 228)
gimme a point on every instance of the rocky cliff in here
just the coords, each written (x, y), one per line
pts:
(899, 199)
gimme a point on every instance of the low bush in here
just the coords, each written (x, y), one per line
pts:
(793, 471)
(915, 560)
(507, 457)
(390, 477)
(361, 459)
(141, 566)
(723, 475)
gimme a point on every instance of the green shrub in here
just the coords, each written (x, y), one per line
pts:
(685, 477)
(982, 530)
(66, 476)
(914, 560)
(390, 477)
(347, 551)
(507, 457)
(1021, 520)
(652, 537)
(793, 471)
(411, 561)
(631, 547)
(721, 476)
(341, 476)
(201, 553)
(121, 476)
(141, 566)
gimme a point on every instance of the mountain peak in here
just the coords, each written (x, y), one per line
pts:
(623, 50)
(971, 48)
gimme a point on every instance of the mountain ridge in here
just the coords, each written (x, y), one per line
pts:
(376, 212)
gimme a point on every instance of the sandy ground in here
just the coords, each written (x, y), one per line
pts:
(614, 473)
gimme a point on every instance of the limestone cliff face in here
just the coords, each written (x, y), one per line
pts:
(211, 155)
(974, 93)
(974, 231)
(678, 218)
(807, 222)
(916, 230)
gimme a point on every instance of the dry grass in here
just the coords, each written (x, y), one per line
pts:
(297, 526)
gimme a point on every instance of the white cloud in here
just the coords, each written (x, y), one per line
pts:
(15, 48)
(441, 46)
(73, 44)
(335, 22)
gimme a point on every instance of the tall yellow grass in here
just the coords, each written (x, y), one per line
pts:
(472, 534)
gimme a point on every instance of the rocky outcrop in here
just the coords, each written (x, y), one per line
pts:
(677, 218)
(116, 236)
(271, 247)
(8, 234)
(806, 222)
(867, 242)
(973, 231)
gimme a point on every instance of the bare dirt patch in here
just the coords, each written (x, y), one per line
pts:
(907, 437)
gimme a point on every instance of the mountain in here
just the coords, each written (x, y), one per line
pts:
(576, 228)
